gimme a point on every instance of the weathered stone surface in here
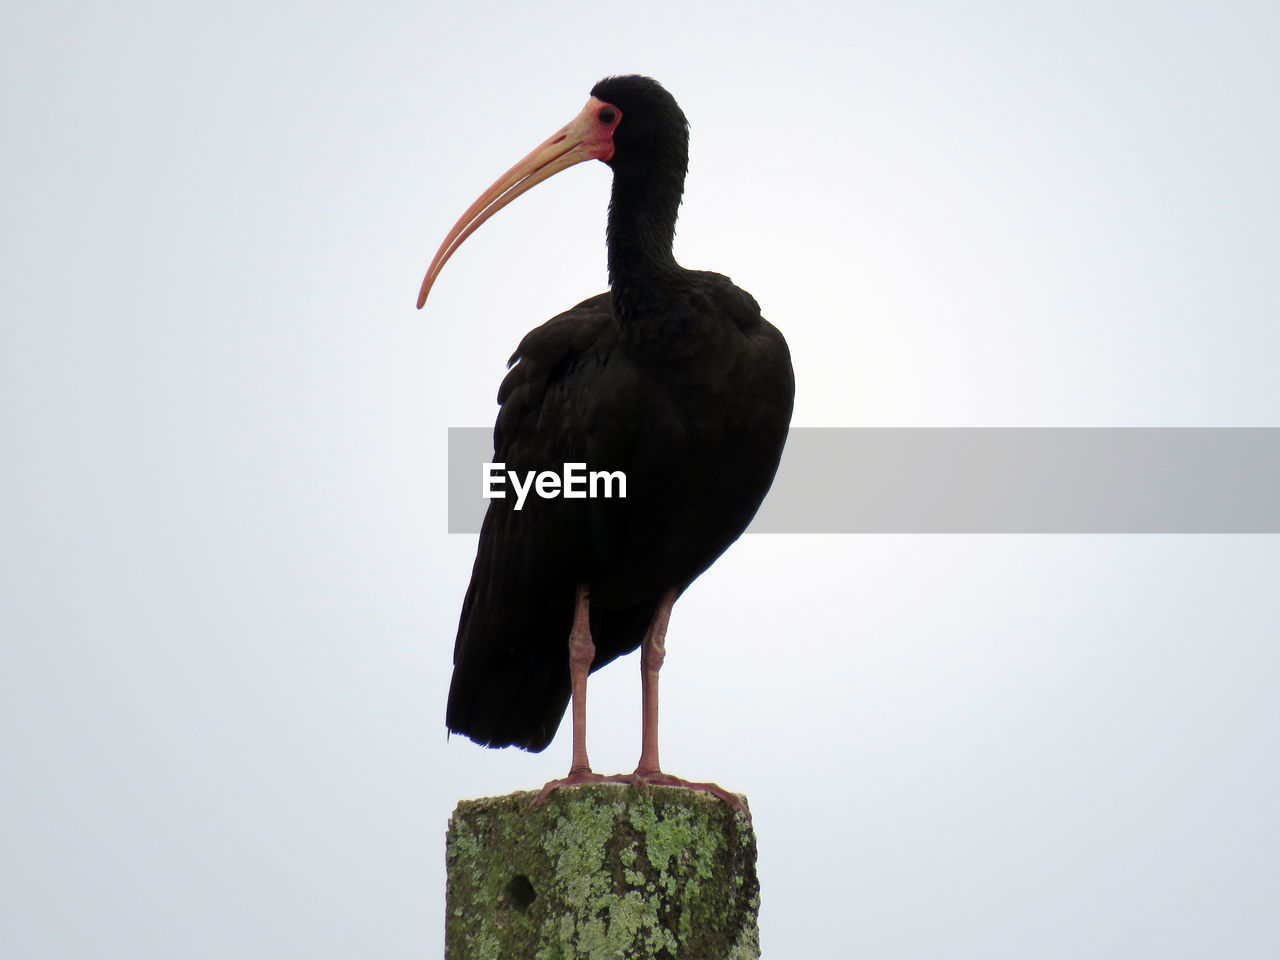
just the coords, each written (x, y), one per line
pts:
(601, 871)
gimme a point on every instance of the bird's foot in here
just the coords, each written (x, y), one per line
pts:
(643, 781)
(646, 779)
(575, 778)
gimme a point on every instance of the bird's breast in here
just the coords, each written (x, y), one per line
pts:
(699, 452)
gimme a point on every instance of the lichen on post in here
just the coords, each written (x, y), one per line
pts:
(601, 871)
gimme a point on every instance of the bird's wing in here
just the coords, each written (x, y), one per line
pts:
(511, 679)
(545, 393)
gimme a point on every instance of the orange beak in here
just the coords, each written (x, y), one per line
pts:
(589, 136)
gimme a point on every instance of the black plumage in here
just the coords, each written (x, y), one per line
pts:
(672, 377)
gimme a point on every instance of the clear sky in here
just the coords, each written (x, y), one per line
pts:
(227, 597)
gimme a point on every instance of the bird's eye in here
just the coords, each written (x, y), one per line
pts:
(607, 115)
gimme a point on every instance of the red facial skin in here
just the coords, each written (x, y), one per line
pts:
(589, 136)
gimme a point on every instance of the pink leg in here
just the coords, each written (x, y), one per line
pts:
(582, 650)
(653, 651)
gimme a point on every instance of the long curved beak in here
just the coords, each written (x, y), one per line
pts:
(586, 137)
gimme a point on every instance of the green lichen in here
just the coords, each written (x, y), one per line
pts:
(601, 871)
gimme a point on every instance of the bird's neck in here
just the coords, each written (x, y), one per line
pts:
(642, 225)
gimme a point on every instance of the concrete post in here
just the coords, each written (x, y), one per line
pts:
(601, 871)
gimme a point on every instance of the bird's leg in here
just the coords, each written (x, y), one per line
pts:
(581, 652)
(653, 651)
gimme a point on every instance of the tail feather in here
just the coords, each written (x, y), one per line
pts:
(516, 704)
(513, 692)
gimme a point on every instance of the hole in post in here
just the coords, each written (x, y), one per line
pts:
(520, 893)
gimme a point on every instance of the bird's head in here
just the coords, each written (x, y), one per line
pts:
(653, 130)
(629, 122)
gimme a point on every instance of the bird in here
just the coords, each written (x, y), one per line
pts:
(671, 378)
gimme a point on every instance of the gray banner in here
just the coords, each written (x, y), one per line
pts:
(988, 480)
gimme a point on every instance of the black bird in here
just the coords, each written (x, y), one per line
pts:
(674, 379)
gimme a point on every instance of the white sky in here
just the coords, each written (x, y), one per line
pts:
(227, 600)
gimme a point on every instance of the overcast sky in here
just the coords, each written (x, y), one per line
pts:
(227, 594)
